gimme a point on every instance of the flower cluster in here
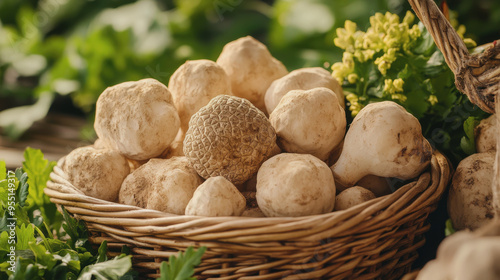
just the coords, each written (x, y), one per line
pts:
(386, 34)
(393, 60)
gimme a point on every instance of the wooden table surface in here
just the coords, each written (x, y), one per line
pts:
(56, 135)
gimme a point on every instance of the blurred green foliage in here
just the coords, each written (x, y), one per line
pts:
(53, 49)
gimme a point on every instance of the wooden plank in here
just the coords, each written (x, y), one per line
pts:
(56, 135)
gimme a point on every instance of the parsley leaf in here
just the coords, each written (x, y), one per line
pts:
(181, 267)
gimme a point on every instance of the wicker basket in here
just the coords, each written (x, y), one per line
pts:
(376, 239)
(476, 75)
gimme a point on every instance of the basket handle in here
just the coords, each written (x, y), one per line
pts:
(496, 173)
(445, 36)
(477, 76)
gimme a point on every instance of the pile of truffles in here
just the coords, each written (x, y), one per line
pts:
(243, 137)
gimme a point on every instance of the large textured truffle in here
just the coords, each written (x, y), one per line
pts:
(229, 137)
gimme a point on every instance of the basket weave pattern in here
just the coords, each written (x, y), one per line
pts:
(374, 240)
(478, 75)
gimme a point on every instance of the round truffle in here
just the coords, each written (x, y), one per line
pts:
(303, 79)
(165, 185)
(194, 84)
(309, 122)
(229, 137)
(352, 196)
(96, 172)
(216, 197)
(290, 185)
(379, 186)
(137, 118)
(251, 69)
(470, 200)
(486, 135)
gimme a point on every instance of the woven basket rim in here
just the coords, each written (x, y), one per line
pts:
(412, 197)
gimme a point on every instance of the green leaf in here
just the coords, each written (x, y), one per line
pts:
(112, 269)
(102, 252)
(468, 143)
(4, 193)
(3, 170)
(435, 64)
(70, 258)
(38, 169)
(467, 146)
(76, 230)
(42, 255)
(4, 241)
(449, 230)
(25, 234)
(181, 267)
(23, 189)
(25, 269)
(425, 43)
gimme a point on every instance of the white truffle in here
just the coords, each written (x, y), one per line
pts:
(165, 185)
(303, 79)
(137, 118)
(97, 173)
(295, 185)
(383, 140)
(379, 186)
(176, 148)
(251, 69)
(352, 197)
(194, 84)
(470, 200)
(216, 197)
(486, 135)
(309, 122)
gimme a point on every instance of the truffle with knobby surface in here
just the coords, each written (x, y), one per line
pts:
(470, 200)
(229, 137)
(383, 140)
(194, 84)
(251, 69)
(291, 185)
(309, 122)
(302, 79)
(351, 197)
(137, 118)
(486, 135)
(216, 197)
(165, 185)
(97, 173)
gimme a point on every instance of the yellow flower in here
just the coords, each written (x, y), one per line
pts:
(351, 97)
(347, 36)
(398, 84)
(409, 18)
(352, 78)
(432, 99)
(394, 88)
(399, 96)
(340, 71)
